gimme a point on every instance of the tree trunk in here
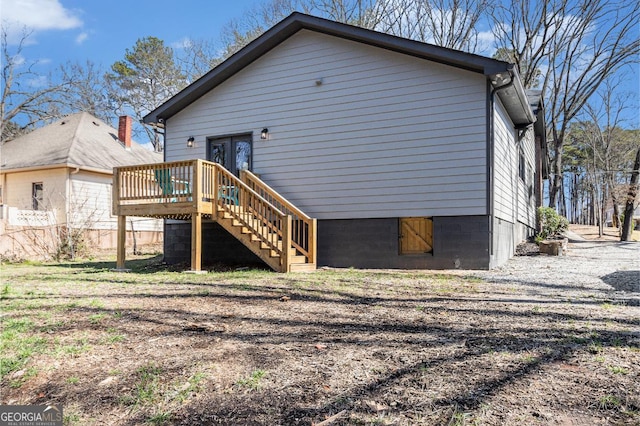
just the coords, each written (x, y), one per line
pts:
(562, 206)
(592, 206)
(556, 183)
(611, 188)
(616, 213)
(627, 227)
(601, 215)
(574, 200)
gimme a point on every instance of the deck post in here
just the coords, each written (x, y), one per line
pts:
(122, 240)
(313, 241)
(286, 243)
(215, 190)
(197, 186)
(196, 241)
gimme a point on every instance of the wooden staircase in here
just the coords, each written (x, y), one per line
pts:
(265, 222)
(263, 241)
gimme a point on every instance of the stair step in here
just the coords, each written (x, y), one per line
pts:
(302, 267)
(297, 260)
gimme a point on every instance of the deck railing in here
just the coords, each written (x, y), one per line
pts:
(160, 183)
(188, 185)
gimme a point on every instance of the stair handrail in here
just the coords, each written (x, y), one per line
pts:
(248, 188)
(303, 237)
(252, 178)
(283, 231)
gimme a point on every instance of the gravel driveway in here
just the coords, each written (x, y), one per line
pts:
(601, 269)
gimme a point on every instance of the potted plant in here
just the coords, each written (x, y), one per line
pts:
(551, 226)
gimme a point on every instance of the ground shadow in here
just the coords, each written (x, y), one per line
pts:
(624, 280)
(153, 264)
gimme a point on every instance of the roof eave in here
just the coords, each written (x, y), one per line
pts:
(5, 170)
(298, 21)
(514, 99)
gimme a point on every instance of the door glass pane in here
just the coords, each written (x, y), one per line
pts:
(243, 155)
(218, 153)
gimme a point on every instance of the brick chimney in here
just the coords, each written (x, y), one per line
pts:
(124, 130)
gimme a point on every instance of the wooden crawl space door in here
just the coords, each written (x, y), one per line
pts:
(416, 235)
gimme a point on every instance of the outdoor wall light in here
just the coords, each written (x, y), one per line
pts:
(190, 142)
(264, 134)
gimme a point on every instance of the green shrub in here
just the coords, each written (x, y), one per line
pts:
(550, 223)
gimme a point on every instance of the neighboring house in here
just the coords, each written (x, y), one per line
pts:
(409, 155)
(609, 215)
(59, 177)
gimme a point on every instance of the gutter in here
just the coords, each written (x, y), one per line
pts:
(514, 80)
(520, 98)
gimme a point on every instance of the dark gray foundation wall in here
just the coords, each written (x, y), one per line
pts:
(504, 242)
(458, 242)
(218, 246)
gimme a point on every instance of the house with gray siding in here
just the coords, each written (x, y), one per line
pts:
(409, 155)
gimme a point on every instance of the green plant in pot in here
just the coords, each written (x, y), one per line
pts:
(550, 224)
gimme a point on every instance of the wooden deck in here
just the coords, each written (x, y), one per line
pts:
(196, 190)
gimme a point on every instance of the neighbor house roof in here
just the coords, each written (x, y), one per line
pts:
(503, 75)
(79, 140)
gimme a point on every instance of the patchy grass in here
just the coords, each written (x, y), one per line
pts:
(158, 347)
(253, 381)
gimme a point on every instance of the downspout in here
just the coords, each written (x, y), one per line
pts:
(491, 156)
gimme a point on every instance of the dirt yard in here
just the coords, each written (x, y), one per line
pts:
(338, 347)
(592, 233)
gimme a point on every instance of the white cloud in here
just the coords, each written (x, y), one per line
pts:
(82, 37)
(183, 43)
(18, 60)
(486, 43)
(39, 81)
(36, 15)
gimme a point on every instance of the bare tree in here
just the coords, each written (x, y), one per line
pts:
(86, 92)
(196, 57)
(612, 146)
(577, 45)
(632, 198)
(362, 13)
(34, 99)
(26, 95)
(449, 23)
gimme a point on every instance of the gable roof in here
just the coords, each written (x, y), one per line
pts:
(511, 93)
(78, 140)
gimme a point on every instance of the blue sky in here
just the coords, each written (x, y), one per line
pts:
(101, 31)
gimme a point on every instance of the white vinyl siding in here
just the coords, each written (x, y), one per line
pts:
(512, 200)
(383, 135)
(84, 196)
(90, 201)
(19, 190)
(90, 204)
(505, 173)
(526, 194)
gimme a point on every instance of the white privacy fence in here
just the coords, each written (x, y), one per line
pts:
(32, 218)
(98, 220)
